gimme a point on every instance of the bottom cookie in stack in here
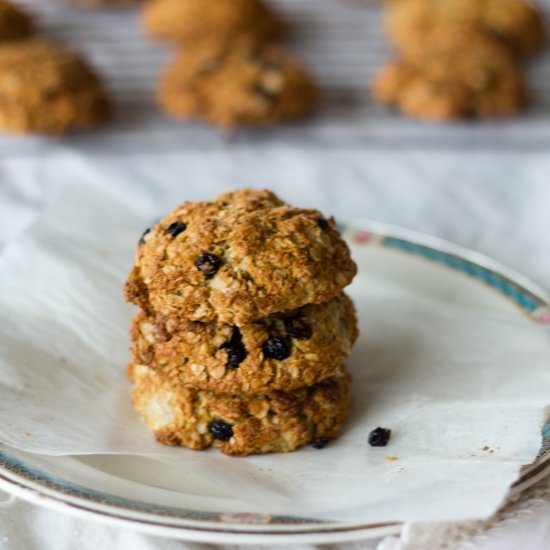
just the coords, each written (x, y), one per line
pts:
(241, 424)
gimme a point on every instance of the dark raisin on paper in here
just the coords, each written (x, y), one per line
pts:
(379, 437)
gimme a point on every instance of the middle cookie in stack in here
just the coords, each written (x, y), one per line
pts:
(243, 328)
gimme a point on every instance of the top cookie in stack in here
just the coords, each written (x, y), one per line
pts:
(239, 258)
(243, 327)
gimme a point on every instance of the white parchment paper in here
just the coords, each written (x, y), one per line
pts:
(449, 382)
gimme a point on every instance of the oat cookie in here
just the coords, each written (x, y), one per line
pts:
(185, 21)
(517, 23)
(283, 352)
(240, 425)
(46, 89)
(14, 22)
(459, 76)
(236, 84)
(104, 3)
(239, 258)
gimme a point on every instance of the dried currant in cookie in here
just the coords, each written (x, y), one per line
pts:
(236, 352)
(321, 443)
(323, 224)
(277, 347)
(220, 430)
(208, 264)
(142, 238)
(174, 229)
(297, 328)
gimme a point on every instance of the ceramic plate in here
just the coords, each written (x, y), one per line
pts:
(130, 491)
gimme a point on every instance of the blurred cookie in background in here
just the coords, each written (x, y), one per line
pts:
(459, 76)
(47, 89)
(237, 84)
(411, 24)
(103, 3)
(192, 20)
(15, 23)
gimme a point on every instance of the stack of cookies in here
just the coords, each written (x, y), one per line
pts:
(459, 58)
(243, 327)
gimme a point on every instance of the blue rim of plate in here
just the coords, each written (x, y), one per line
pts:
(532, 301)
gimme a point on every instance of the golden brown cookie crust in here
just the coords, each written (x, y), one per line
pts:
(221, 20)
(411, 23)
(46, 89)
(14, 22)
(277, 422)
(459, 76)
(223, 358)
(237, 84)
(239, 258)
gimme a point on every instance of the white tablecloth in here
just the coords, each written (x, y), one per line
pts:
(493, 202)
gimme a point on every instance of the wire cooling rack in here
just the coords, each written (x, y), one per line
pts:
(343, 43)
